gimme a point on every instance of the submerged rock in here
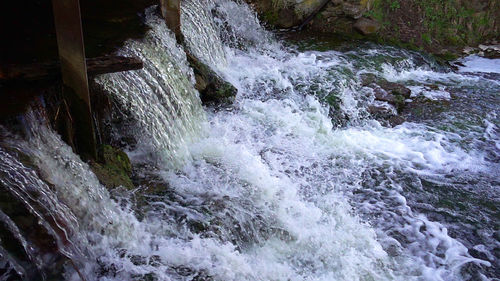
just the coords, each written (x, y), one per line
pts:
(396, 120)
(386, 114)
(113, 168)
(391, 98)
(390, 92)
(212, 87)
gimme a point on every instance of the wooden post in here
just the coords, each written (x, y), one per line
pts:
(171, 12)
(74, 73)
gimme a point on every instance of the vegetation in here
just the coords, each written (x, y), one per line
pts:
(435, 24)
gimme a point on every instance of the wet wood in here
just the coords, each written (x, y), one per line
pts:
(68, 23)
(52, 70)
(171, 12)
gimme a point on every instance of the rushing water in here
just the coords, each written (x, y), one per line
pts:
(294, 181)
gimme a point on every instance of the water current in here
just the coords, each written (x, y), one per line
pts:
(294, 181)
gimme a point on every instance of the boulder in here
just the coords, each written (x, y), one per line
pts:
(390, 92)
(113, 168)
(212, 87)
(383, 95)
(386, 115)
(371, 80)
(396, 120)
(287, 18)
(353, 11)
(366, 26)
(394, 88)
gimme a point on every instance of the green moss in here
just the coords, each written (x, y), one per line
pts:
(426, 37)
(225, 92)
(271, 17)
(438, 24)
(448, 56)
(394, 5)
(114, 168)
(334, 101)
(400, 102)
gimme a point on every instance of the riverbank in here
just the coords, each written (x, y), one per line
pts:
(442, 28)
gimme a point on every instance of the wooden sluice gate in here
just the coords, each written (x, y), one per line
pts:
(171, 12)
(75, 90)
(72, 67)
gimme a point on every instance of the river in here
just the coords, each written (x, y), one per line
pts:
(293, 181)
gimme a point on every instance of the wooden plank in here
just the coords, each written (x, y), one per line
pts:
(69, 33)
(171, 12)
(110, 64)
(52, 70)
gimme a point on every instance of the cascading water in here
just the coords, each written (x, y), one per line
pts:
(293, 182)
(202, 37)
(160, 104)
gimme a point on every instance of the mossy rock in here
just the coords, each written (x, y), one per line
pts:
(390, 92)
(113, 168)
(212, 87)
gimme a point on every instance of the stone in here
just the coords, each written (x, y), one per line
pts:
(482, 47)
(390, 92)
(396, 120)
(212, 87)
(491, 51)
(366, 26)
(287, 18)
(385, 114)
(368, 78)
(371, 80)
(469, 50)
(374, 109)
(113, 168)
(353, 11)
(395, 88)
(383, 95)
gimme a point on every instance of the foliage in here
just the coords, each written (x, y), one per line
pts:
(441, 22)
(395, 5)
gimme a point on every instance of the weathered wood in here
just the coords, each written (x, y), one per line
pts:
(110, 64)
(71, 48)
(52, 70)
(171, 12)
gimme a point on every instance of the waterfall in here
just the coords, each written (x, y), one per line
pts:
(201, 35)
(160, 104)
(294, 181)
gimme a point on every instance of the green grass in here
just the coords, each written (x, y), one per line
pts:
(446, 22)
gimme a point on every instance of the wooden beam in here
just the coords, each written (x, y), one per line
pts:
(52, 70)
(69, 33)
(171, 12)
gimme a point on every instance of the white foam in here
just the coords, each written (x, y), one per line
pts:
(280, 192)
(476, 63)
(432, 94)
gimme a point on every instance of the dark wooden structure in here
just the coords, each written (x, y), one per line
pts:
(171, 11)
(69, 33)
(46, 43)
(11, 73)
